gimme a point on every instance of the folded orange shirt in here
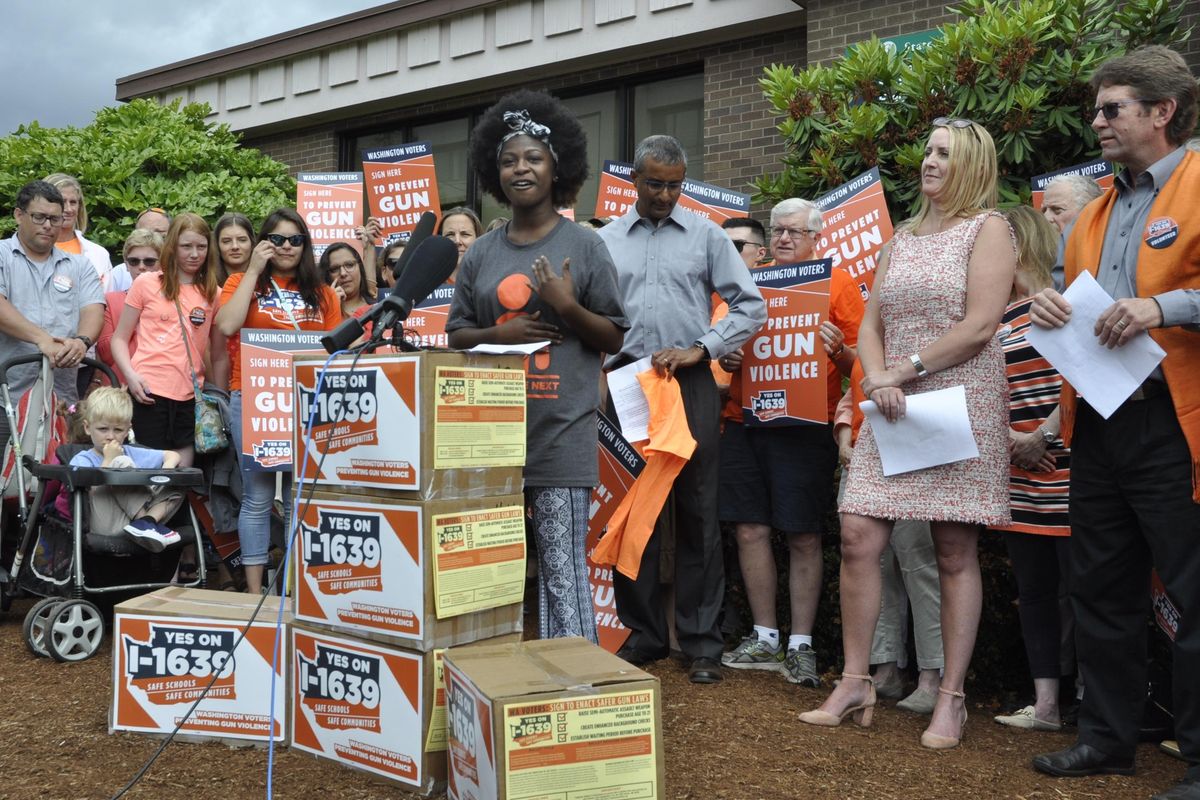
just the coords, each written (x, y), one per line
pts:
(668, 450)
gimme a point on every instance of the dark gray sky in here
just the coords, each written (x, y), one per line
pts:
(61, 59)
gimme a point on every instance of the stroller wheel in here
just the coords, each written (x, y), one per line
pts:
(37, 622)
(76, 628)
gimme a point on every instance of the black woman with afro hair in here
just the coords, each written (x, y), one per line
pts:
(530, 153)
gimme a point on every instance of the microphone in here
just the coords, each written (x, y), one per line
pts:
(422, 231)
(430, 263)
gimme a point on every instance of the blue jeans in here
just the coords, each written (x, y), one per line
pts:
(258, 494)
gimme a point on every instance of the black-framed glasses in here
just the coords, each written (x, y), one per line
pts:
(149, 261)
(740, 244)
(392, 262)
(1113, 110)
(657, 186)
(779, 230)
(339, 268)
(42, 219)
(295, 240)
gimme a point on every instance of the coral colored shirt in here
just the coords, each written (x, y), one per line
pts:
(160, 358)
(266, 311)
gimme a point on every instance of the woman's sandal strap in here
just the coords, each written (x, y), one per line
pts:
(866, 678)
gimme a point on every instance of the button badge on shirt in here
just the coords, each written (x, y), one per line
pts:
(1162, 232)
(63, 283)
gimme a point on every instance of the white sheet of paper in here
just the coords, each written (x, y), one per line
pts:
(633, 412)
(935, 430)
(1105, 377)
(510, 349)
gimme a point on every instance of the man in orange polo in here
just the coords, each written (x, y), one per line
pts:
(1135, 476)
(781, 477)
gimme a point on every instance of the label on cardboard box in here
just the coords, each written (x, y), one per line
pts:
(360, 566)
(479, 560)
(479, 418)
(162, 664)
(358, 704)
(435, 741)
(599, 746)
(367, 422)
(471, 754)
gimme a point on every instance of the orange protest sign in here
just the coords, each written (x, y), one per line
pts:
(857, 225)
(267, 421)
(401, 186)
(617, 194)
(1099, 170)
(783, 369)
(331, 204)
(426, 325)
(620, 464)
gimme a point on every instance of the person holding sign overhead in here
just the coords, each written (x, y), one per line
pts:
(670, 262)
(544, 277)
(781, 475)
(1135, 475)
(281, 289)
(931, 324)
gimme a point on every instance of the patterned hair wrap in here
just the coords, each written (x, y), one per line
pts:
(520, 124)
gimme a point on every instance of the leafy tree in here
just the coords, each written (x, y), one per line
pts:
(1020, 69)
(143, 154)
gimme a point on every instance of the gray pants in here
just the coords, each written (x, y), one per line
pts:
(114, 507)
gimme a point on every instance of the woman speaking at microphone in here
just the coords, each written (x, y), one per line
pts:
(543, 277)
(281, 289)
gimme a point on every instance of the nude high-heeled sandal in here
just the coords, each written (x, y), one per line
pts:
(861, 713)
(935, 741)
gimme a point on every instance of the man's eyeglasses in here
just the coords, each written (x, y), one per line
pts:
(295, 240)
(657, 186)
(1112, 110)
(740, 244)
(392, 262)
(795, 233)
(134, 261)
(42, 219)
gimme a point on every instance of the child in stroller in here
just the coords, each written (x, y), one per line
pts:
(138, 511)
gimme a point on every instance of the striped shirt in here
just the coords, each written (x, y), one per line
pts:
(1038, 499)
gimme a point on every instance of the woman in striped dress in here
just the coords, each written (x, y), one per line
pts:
(1038, 539)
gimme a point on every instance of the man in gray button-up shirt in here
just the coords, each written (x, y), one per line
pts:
(50, 301)
(669, 263)
(1135, 473)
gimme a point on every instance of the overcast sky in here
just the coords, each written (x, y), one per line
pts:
(61, 59)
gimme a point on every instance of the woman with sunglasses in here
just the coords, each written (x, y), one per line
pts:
(280, 289)
(940, 291)
(170, 312)
(141, 251)
(345, 271)
(544, 277)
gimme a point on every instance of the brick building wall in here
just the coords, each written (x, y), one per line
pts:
(835, 24)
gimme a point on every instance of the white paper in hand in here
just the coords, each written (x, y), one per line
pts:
(510, 349)
(1104, 377)
(633, 412)
(934, 430)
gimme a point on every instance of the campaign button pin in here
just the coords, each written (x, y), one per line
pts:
(1162, 232)
(63, 283)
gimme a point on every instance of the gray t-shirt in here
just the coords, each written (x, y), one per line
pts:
(562, 381)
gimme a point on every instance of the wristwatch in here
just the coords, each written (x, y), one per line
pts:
(918, 365)
(1047, 436)
(87, 340)
(702, 346)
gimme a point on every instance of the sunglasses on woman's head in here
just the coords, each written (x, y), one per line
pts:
(295, 240)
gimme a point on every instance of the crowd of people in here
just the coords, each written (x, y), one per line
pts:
(1087, 505)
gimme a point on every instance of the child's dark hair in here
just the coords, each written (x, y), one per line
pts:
(567, 140)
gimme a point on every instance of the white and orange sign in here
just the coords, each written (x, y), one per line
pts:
(857, 226)
(426, 325)
(401, 186)
(267, 418)
(617, 194)
(358, 703)
(783, 366)
(360, 566)
(331, 204)
(620, 465)
(1099, 170)
(161, 665)
(470, 751)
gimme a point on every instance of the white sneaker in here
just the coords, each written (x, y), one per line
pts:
(151, 535)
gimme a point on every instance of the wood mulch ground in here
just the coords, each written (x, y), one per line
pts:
(738, 740)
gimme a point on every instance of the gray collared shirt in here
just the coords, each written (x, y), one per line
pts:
(668, 273)
(49, 294)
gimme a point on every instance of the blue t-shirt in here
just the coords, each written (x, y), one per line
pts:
(142, 457)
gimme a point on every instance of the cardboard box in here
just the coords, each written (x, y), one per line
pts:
(428, 425)
(552, 720)
(370, 706)
(421, 574)
(166, 646)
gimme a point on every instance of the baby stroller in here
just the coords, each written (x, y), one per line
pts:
(66, 563)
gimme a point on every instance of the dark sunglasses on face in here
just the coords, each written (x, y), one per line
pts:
(1112, 110)
(740, 244)
(134, 261)
(295, 240)
(392, 262)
